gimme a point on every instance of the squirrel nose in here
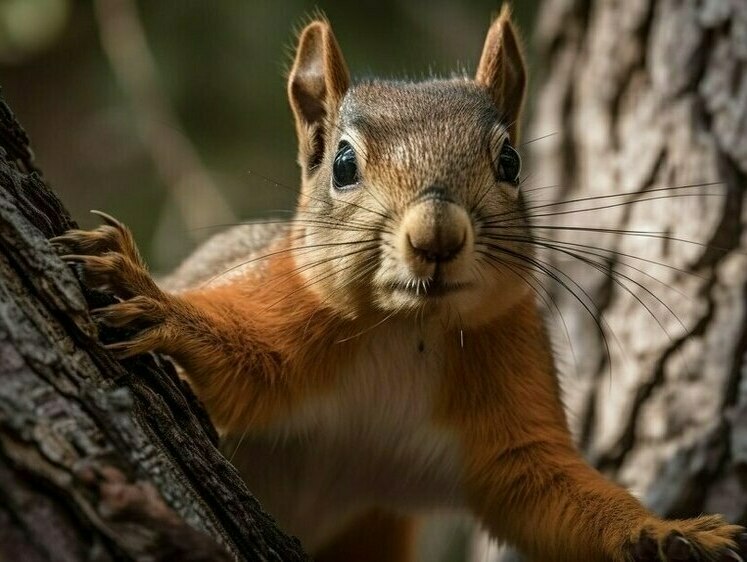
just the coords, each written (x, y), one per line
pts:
(436, 230)
(438, 246)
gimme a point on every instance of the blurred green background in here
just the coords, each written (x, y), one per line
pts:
(219, 71)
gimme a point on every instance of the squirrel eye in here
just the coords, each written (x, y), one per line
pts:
(509, 164)
(344, 167)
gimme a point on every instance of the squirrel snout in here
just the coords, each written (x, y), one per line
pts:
(436, 231)
(436, 248)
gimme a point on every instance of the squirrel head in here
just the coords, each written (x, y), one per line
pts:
(405, 184)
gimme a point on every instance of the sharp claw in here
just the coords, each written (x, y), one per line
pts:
(101, 313)
(120, 350)
(126, 349)
(74, 258)
(730, 556)
(679, 550)
(119, 346)
(110, 220)
(111, 318)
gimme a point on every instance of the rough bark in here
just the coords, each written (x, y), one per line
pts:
(639, 95)
(643, 95)
(89, 445)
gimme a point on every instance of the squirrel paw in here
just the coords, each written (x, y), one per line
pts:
(703, 539)
(146, 314)
(110, 261)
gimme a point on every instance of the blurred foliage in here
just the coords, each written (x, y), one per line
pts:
(222, 65)
(30, 26)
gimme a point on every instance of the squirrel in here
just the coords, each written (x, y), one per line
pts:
(378, 356)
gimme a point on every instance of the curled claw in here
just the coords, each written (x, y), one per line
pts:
(74, 258)
(139, 310)
(730, 556)
(105, 266)
(61, 241)
(108, 219)
(145, 342)
(122, 350)
(104, 238)
(109, 260)
(112, 236)
(145, 315)
(104, 271)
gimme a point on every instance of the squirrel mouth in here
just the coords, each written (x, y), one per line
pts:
(427, 288)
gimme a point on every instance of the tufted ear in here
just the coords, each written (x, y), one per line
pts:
(316, 85)
(502, 71)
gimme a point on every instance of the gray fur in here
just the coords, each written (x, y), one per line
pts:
(222, 252)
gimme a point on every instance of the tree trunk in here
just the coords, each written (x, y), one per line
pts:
(87, 443)
(641, 95)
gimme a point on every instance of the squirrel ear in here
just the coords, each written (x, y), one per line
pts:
(502, 71)
(316, 85)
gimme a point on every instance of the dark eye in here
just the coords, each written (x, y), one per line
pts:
(509, 164)
(345, 167)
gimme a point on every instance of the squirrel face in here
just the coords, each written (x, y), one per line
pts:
(397, 178)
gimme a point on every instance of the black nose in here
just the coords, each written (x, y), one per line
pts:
(439, 246)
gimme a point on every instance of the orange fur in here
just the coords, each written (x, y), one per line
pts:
(254, 352)
(525, 479)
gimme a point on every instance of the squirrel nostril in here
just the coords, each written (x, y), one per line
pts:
(436, 248)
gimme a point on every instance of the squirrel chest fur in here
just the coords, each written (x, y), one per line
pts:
(371, 442)
(383, 353)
